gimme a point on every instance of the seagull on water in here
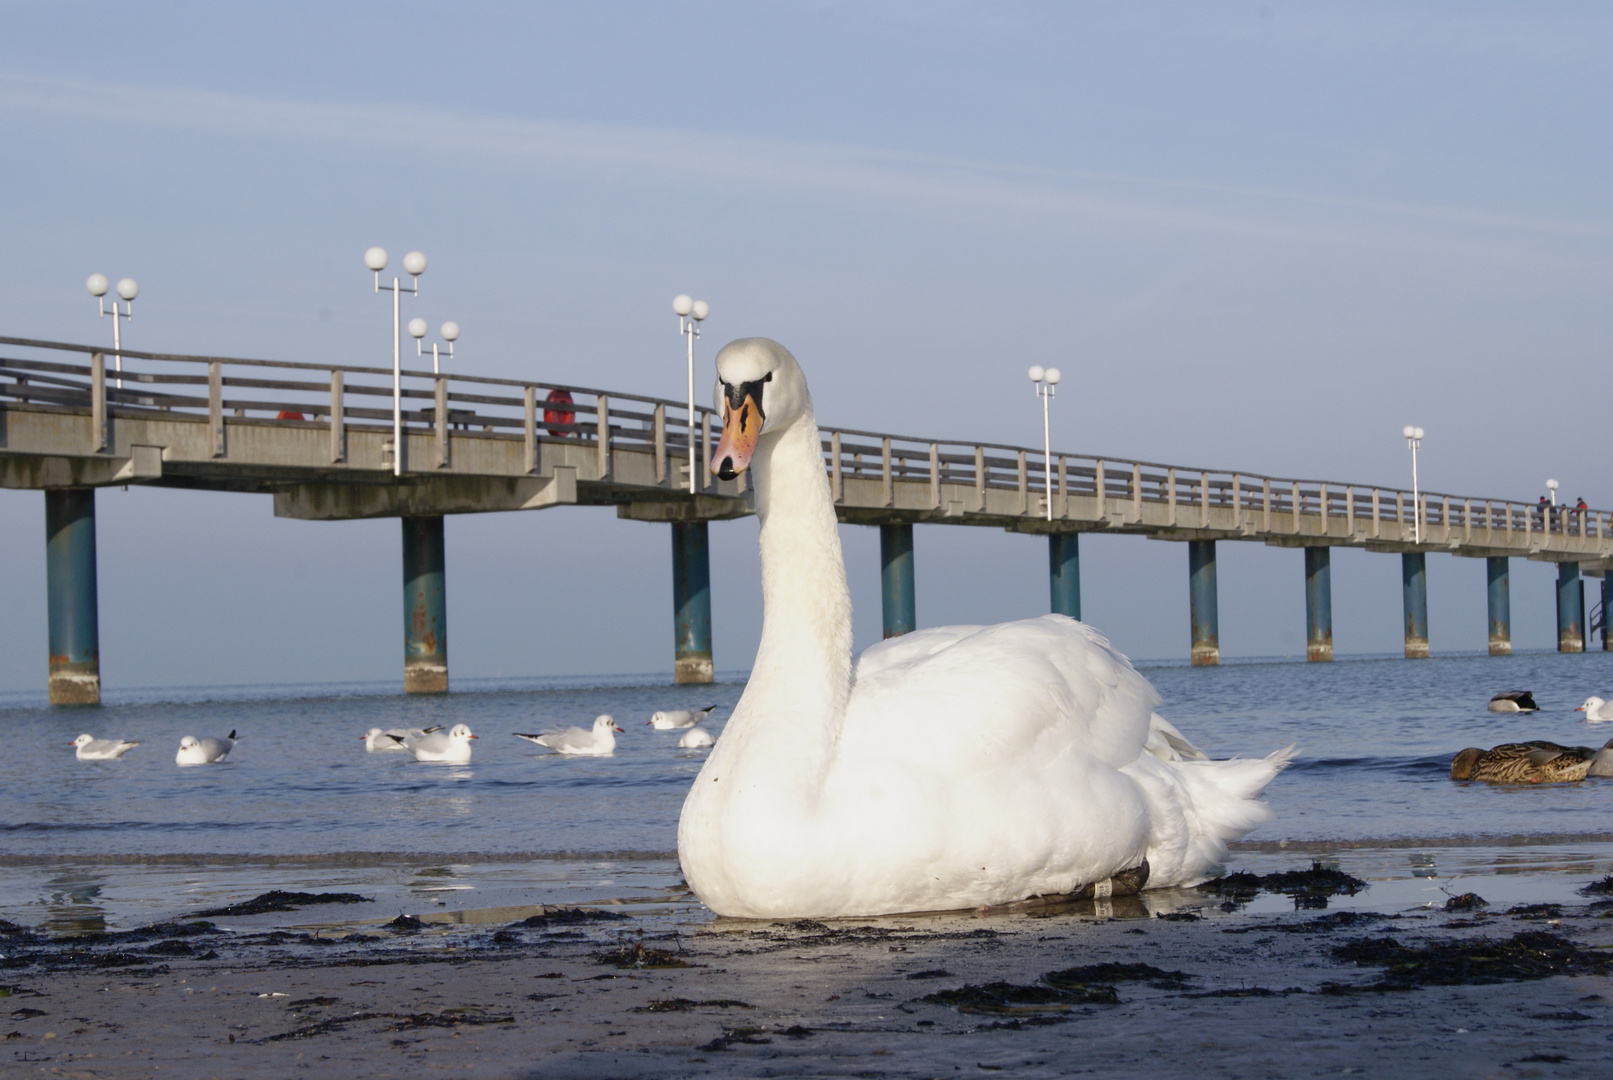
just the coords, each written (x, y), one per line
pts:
(1596, 710)
(677, 719)
(452, 746)
(597, 741)
(194, 751)
(695, 739)
(376, 740)
(92, 749)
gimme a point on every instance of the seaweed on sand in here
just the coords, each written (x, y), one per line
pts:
(1532, 954)
(635, 954)
(277, 900)
(1599, 888)
(1079, 978)
(567, 916)
(684, 1005)
(1308, 888)
(1005, 998)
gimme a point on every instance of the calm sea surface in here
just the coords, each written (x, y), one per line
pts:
(1376, 735)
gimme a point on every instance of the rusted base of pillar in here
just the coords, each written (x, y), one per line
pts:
(1206, 655)
(1319, 650)
(74, 688)
(1570, 643)
(1500, 646)
(692, 669)
(425, 679)
(1416, 648)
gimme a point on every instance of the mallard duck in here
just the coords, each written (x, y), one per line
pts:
(1514, 701)
(1536, 762)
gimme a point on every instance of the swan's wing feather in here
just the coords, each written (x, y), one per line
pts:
(960, 697)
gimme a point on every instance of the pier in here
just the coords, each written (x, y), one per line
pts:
(324, 443)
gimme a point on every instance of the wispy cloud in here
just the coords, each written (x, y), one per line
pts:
(709, 160)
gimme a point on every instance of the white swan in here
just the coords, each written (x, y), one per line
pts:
(1596, 710)
(965, 766)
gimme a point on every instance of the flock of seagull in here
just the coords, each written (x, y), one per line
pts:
(433, 743)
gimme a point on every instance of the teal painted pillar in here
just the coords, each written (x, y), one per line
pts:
(1570, 609)
(691, 602)
(1201, 603)
(1318, 603)
(1064, 572)
(425, 606)
(70, 588)
(1414, 591)
(896, 578)
(1607, 606)
(1497, 568)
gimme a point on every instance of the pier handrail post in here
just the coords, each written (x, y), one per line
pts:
(529, 429)
(338, 418)
(1136, 492)
(659, 424)
(705, 449)
(980, 478)
(97, 403)
(215, 409)
(887, 489)
(935, 476)
(836, 477)
(1265, 494)
(441, 403)
(602, 434)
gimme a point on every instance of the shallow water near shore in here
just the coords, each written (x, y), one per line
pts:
(299, 804)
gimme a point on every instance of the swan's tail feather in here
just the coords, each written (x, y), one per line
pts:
(1198, 807)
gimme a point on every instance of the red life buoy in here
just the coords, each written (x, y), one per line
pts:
(283, 415)
(559, 416)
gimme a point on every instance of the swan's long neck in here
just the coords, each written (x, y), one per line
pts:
(795, 702)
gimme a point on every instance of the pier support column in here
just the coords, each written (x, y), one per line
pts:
(1498, 569)
(896, 578)
(425, 607)
(75, 636)
(691, 602)
(1607, 606)
(1570, 609)
(1414, 585)
(1201, 601)
(1318, 603)
(1064, 572)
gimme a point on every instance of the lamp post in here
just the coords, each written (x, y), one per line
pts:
(128, 289)
(1551, 486)
(414, 264)
(450, 334)
(1414, 439)
(1046, 380)
(691, 313)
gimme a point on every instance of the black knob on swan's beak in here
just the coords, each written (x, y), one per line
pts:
(725, 470)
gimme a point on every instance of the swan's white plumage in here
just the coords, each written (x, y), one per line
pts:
(965, 765)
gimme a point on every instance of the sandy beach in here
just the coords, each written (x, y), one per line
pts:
(1169, 984)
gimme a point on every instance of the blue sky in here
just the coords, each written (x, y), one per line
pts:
(1254, 236)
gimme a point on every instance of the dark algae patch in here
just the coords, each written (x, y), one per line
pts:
(1599, 888)
(638, 955)
(1011, 998)
(1533, 954)
(1467, 901)
(1079, 978)
(1308, 888)
(277, 900)
(567, 916)
(684, 1005)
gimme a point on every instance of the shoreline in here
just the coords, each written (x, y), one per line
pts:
(1162, 985)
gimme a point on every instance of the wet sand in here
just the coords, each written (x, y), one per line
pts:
(671, 992)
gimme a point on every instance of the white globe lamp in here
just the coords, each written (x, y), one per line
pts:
(375, 259)
(97, 284)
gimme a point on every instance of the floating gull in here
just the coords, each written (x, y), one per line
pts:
(675, 719)
(452, 746)
(92, 749)
(598, 741)
(1596, 710)
(194, 751)
(376, 740)
(695, 739)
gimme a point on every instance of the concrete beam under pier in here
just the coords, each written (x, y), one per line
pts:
(70, 585)
(1414, 594)
(1064, 573)
(691, 602)
(425, 606)
(1206, 648)
(896, 579)
(1499, 575)
(1570, 609)
(1318, 603)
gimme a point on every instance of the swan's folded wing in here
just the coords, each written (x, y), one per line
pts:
(960, 699)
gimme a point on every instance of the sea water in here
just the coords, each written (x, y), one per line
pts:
(300, 801)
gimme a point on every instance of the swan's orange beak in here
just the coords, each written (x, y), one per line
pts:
(742, 419)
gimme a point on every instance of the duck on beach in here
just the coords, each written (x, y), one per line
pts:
(89, 748)
(1536, 762)
(1596, 710)
(194, 751)
(951, 768)
(1514, 701)
(598, 741)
